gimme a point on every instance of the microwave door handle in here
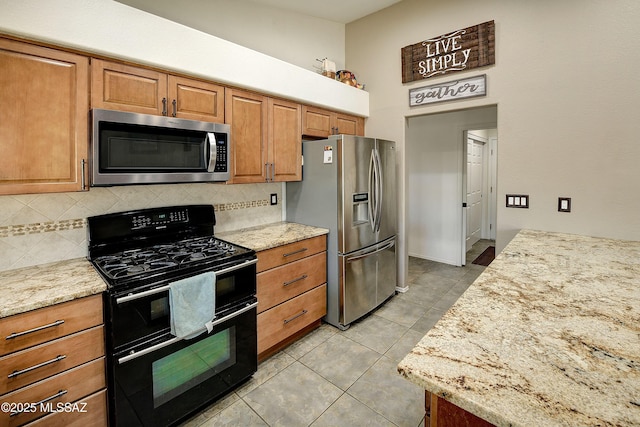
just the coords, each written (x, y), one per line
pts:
(211, 146)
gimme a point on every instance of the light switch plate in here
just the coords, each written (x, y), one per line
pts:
(517, 201)
(564, 204)
(274, 198)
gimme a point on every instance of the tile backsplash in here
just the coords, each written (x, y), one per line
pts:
(41, 228)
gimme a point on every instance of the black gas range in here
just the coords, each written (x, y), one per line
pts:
(156, 378)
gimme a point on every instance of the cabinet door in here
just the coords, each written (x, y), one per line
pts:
(316, 122)
(349, 125)
(195, 99)
(122, 87)
(247, 114)
(322, 123)
(285, 141)
(44, 119)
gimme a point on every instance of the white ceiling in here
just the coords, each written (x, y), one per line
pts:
(343, 11)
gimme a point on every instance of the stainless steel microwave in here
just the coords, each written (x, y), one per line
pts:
(131, 148)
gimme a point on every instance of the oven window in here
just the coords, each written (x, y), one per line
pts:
(180, 371)
(159, 308)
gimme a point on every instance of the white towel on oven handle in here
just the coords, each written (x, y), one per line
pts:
(192, 303)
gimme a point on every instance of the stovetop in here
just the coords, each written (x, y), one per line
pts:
(139, 248)
(130, 264)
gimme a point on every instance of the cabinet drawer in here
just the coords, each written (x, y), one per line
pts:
(28, 366)
(285, 282)
(69, 386)
(290, 317)
(282, 255)
(94, 414)
(35, 327)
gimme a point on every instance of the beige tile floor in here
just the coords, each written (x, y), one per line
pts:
(349, 378)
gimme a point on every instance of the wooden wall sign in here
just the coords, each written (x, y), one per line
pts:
(464, 49)
(457, 89)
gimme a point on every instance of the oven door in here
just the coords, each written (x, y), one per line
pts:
(134, 316)
(165, 380)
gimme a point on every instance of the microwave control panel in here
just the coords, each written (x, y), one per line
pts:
(222, 154)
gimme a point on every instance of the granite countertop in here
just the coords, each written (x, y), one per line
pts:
(39, 286)
(269, 236)
(548, 335)
(29, 288)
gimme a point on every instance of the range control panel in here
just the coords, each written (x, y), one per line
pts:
(159, 219)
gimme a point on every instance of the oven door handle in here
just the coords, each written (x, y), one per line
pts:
(135, 355)
(143, 294)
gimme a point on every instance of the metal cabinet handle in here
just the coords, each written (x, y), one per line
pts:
(295, 252)
(266, 173)
(39, 328)
(83, 166)
(45, 400)
(304, 276)
(39, 365)
(164, 106)
(302, 313)
(175, 107)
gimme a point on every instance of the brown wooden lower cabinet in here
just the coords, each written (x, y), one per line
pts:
(292, 292)
(442, 413)
(89, 411)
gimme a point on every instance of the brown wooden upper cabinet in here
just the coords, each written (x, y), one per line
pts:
(116, 86)
(44, 119)
(322, 123)
(266, 143)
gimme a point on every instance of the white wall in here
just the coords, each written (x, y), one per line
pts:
(113, 29)
(292, 37)
(434, 164)
(566, 85)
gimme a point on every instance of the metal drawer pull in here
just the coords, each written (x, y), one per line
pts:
(304, 276)
(45, 400)
(39, 328)
(39, 365)
(294, 252)
(302, 313)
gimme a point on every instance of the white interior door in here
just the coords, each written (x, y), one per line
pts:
(474, 190)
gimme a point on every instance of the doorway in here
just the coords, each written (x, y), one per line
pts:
(478, 188)
(435, 164)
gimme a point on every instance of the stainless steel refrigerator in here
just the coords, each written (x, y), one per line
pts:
(349, 186)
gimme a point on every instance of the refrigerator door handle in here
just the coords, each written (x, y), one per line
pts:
(363, 254)
(379, 195)
(372, 190)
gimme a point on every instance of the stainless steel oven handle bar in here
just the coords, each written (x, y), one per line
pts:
(153, 348)
(143, 294)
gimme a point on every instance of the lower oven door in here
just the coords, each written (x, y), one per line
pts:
(165, 380)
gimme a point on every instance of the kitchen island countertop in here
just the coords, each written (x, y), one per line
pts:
(269, 236)
(29, 288)
(548, 335)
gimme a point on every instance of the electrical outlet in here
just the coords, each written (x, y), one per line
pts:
(564, 204)
(518, 201)
(274, 198)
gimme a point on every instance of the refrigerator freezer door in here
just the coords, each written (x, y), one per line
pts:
(368, 278)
